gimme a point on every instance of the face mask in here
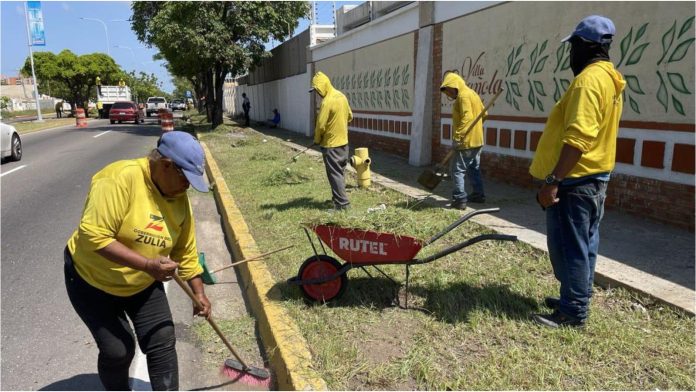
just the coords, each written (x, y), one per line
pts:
(583, 53)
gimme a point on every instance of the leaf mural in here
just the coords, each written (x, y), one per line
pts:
(634, 84)
(559, 56)
(397, 76)
(667, 41)
(540, 65)
(532, 59)
(634, 105)
(380, 98)
(379, 78)
(372, 99)
(387, 99)
(556, 91)
(625, 45)
(404, 75)
(397, 99)
(662, 93)
(365, 79)
(387, 77)
(515, 89)
(636, 54)
(681, 50)
(509, 62)
(678, 106)
(372, 79)
(516, 67)
(677, 82)
(539, 88)
(539, 105)
(530, 96)
(640, 32)
(404, 97)
(686, 26)
(352, 81)
(565, 83)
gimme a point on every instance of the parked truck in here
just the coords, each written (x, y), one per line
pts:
(154, 104)
(108, 95)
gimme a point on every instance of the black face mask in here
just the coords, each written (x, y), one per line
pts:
(584, 53)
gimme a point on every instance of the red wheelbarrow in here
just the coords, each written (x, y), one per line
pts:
(322, 278)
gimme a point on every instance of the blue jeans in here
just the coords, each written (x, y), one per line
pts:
(572, 237)
(466, 162)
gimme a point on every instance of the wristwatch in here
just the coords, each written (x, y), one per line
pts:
(551, 180)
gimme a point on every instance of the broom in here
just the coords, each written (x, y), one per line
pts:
(208, 276)
(234, 369)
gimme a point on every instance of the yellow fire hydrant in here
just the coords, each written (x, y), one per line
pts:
(361, 162)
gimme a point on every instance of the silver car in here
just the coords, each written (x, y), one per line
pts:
(10, 142)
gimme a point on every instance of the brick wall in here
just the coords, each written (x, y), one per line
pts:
(381, 143)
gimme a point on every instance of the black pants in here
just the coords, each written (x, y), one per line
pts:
(246, 117)
(105, 316)
(335, 161)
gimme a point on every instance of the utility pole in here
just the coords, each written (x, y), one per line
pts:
(33, 74)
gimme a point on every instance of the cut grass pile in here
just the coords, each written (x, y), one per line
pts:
(474, 331)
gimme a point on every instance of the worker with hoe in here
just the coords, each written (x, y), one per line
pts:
(136, 232)
(466, 108)
(59, 109)
(331, 133)
(574, 157)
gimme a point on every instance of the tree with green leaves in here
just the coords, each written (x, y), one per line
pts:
(72, 77)
(206, 41)
(143, 86)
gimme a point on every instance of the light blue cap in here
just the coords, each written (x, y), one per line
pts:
(187, 153)
(595, 28)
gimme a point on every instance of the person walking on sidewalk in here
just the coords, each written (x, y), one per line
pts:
(331, 133)
(246, 106)
(136, 231)
(574, 157)
(467, 158)
(59, 109)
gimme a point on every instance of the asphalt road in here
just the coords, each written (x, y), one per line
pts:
(44, 344)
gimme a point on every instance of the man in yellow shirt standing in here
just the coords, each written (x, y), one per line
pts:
(574, 157)
(331, 133)
(467, 159)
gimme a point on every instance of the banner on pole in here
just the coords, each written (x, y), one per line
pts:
(36, 24)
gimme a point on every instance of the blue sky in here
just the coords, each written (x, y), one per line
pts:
(65, 30)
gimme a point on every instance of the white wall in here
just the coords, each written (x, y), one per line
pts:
(290, 96)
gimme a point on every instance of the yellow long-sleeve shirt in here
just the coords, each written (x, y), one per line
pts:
(467, 106)
(331, 128)
(125, 205)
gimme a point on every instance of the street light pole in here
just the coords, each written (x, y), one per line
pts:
(126, 47)
(33, 74)
(106, 31)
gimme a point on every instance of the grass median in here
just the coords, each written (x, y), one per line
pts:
(33, 126)
(474, 330)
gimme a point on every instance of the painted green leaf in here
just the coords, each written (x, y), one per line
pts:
(404, 97)
(543, 46)
(634, 84)
(686, 26)
(566, 64)
(516, 68)
(539, 87)
(404, 75)
(532, 58)
(640, 32)
(667, 40)
(634, 104)
(530, 96)
(565, 83)
(387, 99)
(556, 91)
(515, 89)
(519, 49)
(387, 78)
(626, 44)
(662, 93)
(539, 105)
(397, 99)
(559, 57)
(540, 65)
(680, 51)
(508, 96)
(516, 105)
(677, 105)
(677, 81)
(636, 54)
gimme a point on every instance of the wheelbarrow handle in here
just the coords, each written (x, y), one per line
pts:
(459, 222)
(462, 245)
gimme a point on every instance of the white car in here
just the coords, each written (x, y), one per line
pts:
(178, 104)
(10, 142)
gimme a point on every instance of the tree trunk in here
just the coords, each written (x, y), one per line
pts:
(220, 72)
(209, 95)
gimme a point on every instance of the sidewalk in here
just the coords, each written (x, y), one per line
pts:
(641, 255)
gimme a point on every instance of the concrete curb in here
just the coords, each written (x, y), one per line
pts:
(289, 355)
(608, 272)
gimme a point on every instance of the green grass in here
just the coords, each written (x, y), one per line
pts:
(33, 126)
(474, 331)
(8, 114)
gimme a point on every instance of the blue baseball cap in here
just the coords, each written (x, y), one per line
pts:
(594, 28)
(187, 153)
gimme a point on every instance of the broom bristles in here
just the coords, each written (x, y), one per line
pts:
(244, 377)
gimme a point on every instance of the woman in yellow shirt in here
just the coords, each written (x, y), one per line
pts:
(136, 231)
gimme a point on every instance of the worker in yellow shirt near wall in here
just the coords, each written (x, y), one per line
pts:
(574, 158)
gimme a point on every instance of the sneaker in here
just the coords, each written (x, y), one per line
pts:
(557, 320)
(552, 302)
(458, 205)
(476, 198)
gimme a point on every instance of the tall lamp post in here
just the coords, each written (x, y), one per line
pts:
(33, 74)
(126, 47)
(106, 31)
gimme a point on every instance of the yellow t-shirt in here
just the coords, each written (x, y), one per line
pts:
(587, 118)
(124, 204)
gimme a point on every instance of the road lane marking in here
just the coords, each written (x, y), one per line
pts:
(13, 170)
(103, 133)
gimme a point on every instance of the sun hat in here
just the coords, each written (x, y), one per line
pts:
(595, 28)
(187, 153)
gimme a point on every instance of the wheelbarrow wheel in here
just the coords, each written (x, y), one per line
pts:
(317, 267)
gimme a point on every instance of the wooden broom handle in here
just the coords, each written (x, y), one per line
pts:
(212, 323)
(471, 126)
(250, 259)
